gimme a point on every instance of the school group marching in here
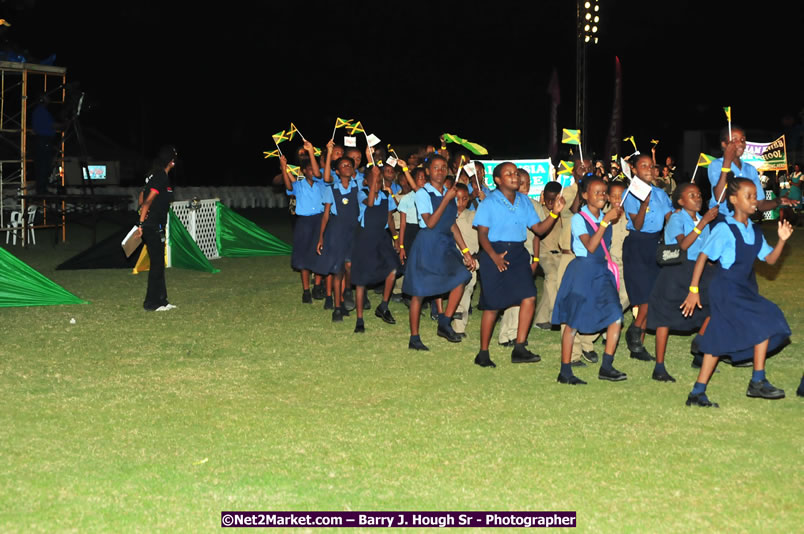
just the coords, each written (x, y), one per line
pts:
(428, 231)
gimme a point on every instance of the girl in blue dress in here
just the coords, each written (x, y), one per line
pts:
(506, 273)
(743, 324)
(588, 300)
(434, 265)
(687, 229)
(646, 220)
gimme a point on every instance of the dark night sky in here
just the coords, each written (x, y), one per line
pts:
(217, 82)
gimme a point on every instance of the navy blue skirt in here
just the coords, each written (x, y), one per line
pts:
(373, 257)
(639, 265)
(671, 288)
(305, 240)
(587, 299)
(338, 241)
(435, 265)
(741, 318)
(501, 290)
(411, 230)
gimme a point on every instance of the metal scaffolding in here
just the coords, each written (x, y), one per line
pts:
(20, 85)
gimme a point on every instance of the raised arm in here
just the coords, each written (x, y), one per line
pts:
(785, 231)
(544, 227)
(283, 165)
(591, 242)
(328, 163)
(308, 146)
(686, 241)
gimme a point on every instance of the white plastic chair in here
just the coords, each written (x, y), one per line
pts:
(31, 218)
(16, 222)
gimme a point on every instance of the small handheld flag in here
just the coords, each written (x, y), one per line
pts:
(571, 137)
(293, 130)
(565, 167)
(340, 123)
(654, 142)
(474, 148)
(294, 170)
(271, 154)
(727, 110)
(632, 142)
(281, 136)
(356, 128)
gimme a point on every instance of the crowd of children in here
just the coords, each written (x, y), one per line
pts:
(430, 230)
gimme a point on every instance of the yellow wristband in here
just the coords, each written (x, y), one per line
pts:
(725, 169)
(401, 246)
(604, 224)
(369, 164)
(464, 251)
(444, 147)
(405, 169)
(647, 210)
(396, 237)
(694, 289)
(695, 229)
(553, 215)
(535, 259)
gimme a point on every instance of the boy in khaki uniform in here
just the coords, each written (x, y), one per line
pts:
(549, 257)
(618, 235)
(464, 222)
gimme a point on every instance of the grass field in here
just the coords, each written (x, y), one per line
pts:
(244, 399)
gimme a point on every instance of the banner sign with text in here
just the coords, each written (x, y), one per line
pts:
(540, 170)
(767, 156)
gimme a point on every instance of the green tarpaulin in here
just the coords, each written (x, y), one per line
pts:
(21, 285)
(184, 252)
(239, 238)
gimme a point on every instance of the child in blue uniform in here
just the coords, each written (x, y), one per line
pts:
(373, 256)
(313, 197)
(743, 324)
(587, 299)
(506, 276)
(341, 223)
(434, 266)
(645, 222)
(690, 232)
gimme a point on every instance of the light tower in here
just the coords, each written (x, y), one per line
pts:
(588, 24)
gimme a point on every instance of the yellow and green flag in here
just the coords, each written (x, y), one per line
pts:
(654, 142)
(293, 131)
(355, 128)
(570, 137)
(281, 136)
(343, 123)
(704, 160)
(631, 138)
(294, 170)
(271, 154)
(727, 110)
(565, 167)
(316, 151)
(474, 148)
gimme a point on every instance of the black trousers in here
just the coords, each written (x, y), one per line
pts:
(156, 295)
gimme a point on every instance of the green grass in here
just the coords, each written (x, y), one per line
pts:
(106, 423)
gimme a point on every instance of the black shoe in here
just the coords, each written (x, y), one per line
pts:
(662, 376)
(328, 303)
(633, 338)
(417, 345)
(318, 292)
(764, 390)
(572, 380)
(449, 334)
(578, 363)
(590, 356)
(462, 334)
(700, 400)
(349, 300)
(344, 311)
(800, 390)
(366, 302)
(697, 361)
(484, 361)
(523, 355)
(433, 315)
(337, 315)
(643, 355)
(612, 375)
(509, 343)
(385, 315)
(544, 326)
(360, 328)
(306, 297)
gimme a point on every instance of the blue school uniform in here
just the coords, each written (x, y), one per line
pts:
(508, 229)
(741, 318)
(407, 205)
(587, 298)
(748, 171)
(373, 254)
(640, 269)
(340, 232)
(483, 188)
(310, 200)
(672, 285)
(435, 266)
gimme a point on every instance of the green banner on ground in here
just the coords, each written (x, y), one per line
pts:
(184, 252)
(21, 285)
(240, 238)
